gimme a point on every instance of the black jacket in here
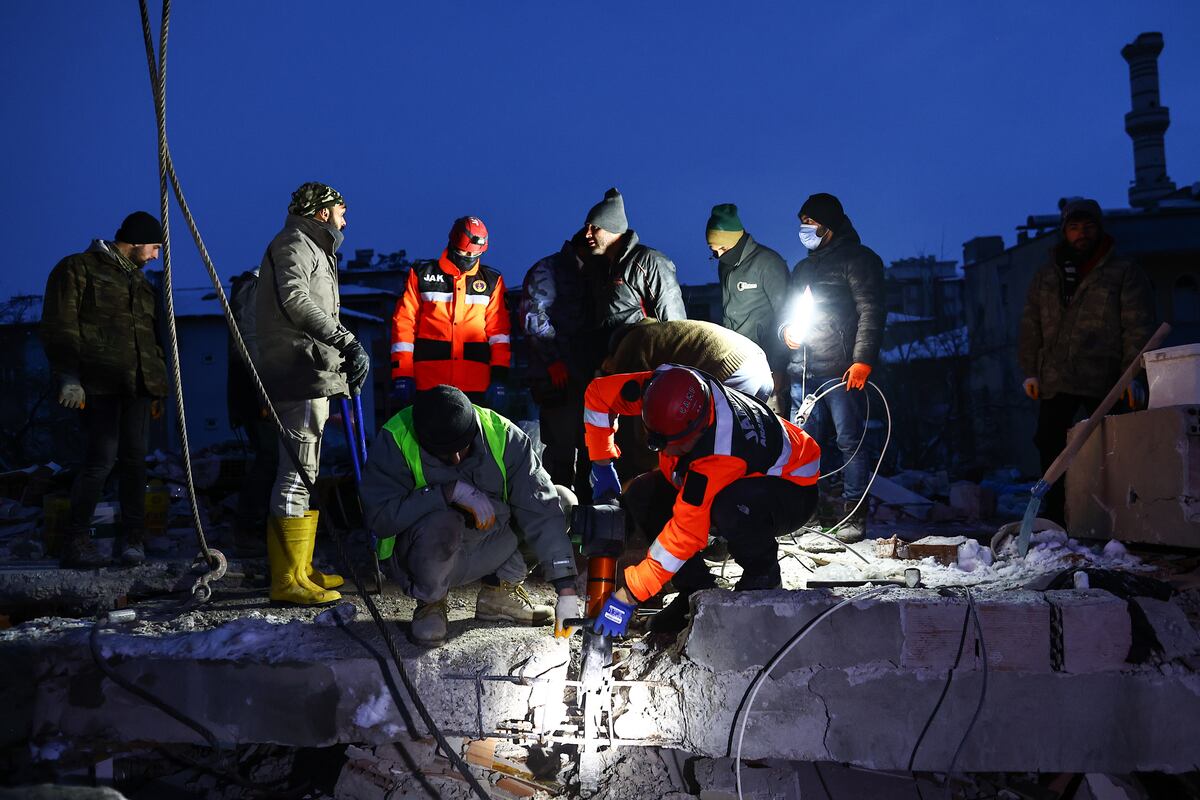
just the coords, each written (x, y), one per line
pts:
(640, 283)
(846, 279)
(754, 282)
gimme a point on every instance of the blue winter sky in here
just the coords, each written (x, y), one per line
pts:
(934, 122)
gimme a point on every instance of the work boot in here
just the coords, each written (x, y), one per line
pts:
(248, 542)
(509, 602)
(429, 624)
(288, 551)
(130, 548)
(325, 581)
(80, 552)
(674, 616)
(753, 583)
(855, 528)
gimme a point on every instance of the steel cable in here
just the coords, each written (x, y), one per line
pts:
(167, 171)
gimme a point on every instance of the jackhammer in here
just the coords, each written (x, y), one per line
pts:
(601, 531)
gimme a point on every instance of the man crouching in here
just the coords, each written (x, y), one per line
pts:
(452, 484)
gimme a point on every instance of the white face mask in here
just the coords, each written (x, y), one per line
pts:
(809, 237)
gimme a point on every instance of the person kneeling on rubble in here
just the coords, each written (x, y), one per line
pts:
(458, 487)
(726, 465)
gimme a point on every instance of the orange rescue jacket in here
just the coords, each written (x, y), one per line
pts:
(744, 439)
(451, 327)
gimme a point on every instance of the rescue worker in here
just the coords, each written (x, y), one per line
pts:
(451, 324)
(1087, 315)
(305, 356)
(555, 314)
(631, 280)
(453, 489)
(98, 328)
(246, 412)
(754, 282)
(726, 464)
(842, 341)
(729, 357)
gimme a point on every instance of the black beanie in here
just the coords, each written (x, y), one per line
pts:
(825, 209)
(1084, 207)
(443, 420)
(139, 228)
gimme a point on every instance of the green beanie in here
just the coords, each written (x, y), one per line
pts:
(724, 228)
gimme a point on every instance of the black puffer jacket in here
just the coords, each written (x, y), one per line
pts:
(640, 283)
(846, 278)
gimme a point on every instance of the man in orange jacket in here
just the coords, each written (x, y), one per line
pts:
(727, 464)
(451, 324)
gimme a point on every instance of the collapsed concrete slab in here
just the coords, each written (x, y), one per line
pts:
(858, 689)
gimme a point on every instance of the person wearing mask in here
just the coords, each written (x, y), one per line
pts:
(451, 324)
(839, 341)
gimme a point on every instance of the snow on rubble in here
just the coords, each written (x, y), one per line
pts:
(1051, 551)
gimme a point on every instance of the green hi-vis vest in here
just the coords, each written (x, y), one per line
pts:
(495, 430)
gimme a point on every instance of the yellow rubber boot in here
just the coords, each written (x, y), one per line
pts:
(288, 551)
(325, 581)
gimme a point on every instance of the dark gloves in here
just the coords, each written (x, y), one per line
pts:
(403, 391)
(356, 364)
(495, 396)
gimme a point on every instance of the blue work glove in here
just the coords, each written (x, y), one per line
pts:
(605, 481)
(495, 396)
(614, 617)
(403, 391)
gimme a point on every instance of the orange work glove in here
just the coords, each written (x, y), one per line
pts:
(558, 374)
(156, 409)
(856, 376)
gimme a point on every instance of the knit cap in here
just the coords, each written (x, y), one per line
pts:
(311, 197)
(443, 420)
(139, 228)
(609, 213)
(825, 209)
(724, 227)
(1082, 207)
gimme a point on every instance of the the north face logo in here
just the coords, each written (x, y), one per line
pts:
(743, 286)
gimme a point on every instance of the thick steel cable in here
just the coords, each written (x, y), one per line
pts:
(158, 82)
(167, 168)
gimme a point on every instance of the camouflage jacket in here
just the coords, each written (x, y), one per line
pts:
(1082, 347)
(98, 324)
(556, 313)
(640, 283)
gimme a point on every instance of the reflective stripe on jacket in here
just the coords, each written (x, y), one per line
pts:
(743, 439)
(450, 327)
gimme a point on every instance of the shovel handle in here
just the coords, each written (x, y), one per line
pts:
(1081, 435)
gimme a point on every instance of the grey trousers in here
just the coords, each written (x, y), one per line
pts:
(440, 552)
(304, 422)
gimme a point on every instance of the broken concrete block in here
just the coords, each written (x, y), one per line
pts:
(716, 779)
(1093, 628)
(1016, 631)
(932, 628)
(1175, 634)
(736, 630)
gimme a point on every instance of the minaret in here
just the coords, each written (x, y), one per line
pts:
(1147, 122)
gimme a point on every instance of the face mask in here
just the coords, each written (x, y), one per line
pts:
(809, 238)
(465, 263)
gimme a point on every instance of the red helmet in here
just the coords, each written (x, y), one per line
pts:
(675, 405)
(469, 236)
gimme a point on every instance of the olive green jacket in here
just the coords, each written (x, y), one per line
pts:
(1082, 347)
(98, 324)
